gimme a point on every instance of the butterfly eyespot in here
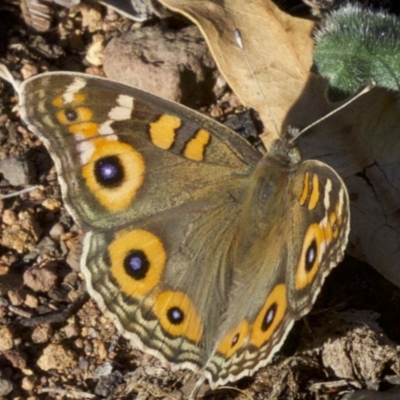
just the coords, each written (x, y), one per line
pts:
(235, 340)
(113, 171)
(71, 114)
(136, 264)
(178, 315)
(231, 342)
(175, 315)
(315, 238)
(109, 171)
(269, 317)
(137, 260)
(311, 256)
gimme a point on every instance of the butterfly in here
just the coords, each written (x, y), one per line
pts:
(203, 250)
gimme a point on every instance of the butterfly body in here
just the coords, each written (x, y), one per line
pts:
(202, 250)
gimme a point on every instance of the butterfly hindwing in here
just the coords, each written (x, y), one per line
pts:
(280, 263)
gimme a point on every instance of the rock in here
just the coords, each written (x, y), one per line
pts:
(56, 231)
(31, 301)
(15, 171)
(40, 279)
(6, 342)
(6, 387)
(42, 333)
(23, 235)
(52, 204)
(28, 383)
(175, 65)
(56, 357)
(9, 217)
(16, 357)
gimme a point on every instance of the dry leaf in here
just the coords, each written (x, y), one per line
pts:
(278, 47)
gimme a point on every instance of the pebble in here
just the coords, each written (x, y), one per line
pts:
(40, 279)
(6, 387)
(14, 171)
(31, 301)
(6, 342)
(56, 357)
(42, 333)
(16, 357)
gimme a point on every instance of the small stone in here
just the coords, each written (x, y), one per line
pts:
(15, 171)
(56, 357)
(6, 342)
(52, 204)
(101, 350)
(40, 279)
(15, 297)
(57, 231)
(28, 70)
(23, 235)
(4, 268)
(216, 112)
(28, 383)
(91, 17)
(6, 387)
(42, 333)
(31, 301)
(9, 217)
(16, 358)
(71, 330)
(71, 279)
(29, 224)
(16, 238)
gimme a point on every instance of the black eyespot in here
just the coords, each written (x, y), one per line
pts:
(71, 114)
(311, 255)
(109, 171)
(269, 317)
(136, 264)
(235, 340)
(175, 315)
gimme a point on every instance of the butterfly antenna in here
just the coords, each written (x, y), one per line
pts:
(239, 41)
(365, 90)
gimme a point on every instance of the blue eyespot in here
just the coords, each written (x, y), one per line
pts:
(109, 171)
(136, 264)
(175, 315)
(71, 114)
(311, 255)
(269, 317)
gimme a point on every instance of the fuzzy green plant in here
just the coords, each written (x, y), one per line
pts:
(356, 47)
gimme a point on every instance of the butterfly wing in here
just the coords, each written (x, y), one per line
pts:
(280, 263)
(125, 153)
(157, 188)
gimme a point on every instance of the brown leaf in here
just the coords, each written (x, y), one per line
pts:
(277, 45)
